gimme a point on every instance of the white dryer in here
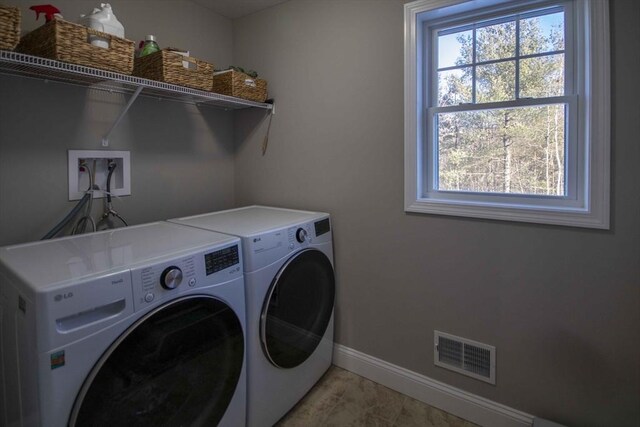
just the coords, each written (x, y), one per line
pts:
(139, 326)
(290, 292)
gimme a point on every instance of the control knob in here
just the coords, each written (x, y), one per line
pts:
(171, 277)
(301, 235)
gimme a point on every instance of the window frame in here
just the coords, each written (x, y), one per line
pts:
(587, 124)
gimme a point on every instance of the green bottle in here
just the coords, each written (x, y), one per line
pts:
(150, 46)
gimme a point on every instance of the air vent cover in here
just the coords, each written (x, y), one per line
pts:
(465, 356)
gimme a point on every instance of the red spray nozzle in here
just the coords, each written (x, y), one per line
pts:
(47, 9)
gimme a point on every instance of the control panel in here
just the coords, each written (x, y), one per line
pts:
(221, 259)
(263, 249)
(299, 235)
(322, 227)
(157, 282)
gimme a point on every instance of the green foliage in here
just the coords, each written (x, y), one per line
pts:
(250, 73)
(506, 150)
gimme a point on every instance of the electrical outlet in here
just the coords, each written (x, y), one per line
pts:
(97, 162)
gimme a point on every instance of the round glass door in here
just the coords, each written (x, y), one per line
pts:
(177, 366)
(297, 309)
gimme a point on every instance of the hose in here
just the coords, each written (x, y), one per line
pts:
(112, 166)
(81, 224)
(109, 209)
(77, 208)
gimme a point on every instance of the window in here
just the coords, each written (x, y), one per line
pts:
(507, 110)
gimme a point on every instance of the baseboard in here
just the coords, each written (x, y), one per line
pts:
(435, 393)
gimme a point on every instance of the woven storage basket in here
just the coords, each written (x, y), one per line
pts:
(69, 42)
(9, 27)
(169, 67)
(240, 85)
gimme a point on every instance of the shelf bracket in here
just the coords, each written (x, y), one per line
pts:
(105, 138)
(265, 141)
(273, 105)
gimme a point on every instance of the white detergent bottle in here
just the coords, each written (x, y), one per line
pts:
(102, 19)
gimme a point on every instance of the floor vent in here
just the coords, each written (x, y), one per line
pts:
(465, 356)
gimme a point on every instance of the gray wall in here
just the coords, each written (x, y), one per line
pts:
(182, 156)
(560, 304)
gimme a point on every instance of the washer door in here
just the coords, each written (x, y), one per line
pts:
(298, 308)
(177, 366)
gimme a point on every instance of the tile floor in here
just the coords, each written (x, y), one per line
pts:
(344, 399)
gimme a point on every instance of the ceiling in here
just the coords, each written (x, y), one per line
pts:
(237, 8)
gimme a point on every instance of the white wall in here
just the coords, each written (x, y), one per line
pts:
(560, 304)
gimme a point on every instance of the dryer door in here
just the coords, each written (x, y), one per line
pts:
(297, 309)
(177, 366)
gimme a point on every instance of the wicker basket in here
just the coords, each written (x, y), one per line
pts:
(240, 85)
(69, 42)
(9, 27)
(171, 67)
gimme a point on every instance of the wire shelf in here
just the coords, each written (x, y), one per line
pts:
(13, 63)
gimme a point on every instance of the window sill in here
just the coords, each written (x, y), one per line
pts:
(565, 216)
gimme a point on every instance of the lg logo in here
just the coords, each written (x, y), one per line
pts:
(60, 297)
(256, 239)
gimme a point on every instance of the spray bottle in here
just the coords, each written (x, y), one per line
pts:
(50, 12)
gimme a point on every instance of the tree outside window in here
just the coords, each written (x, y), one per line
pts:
(515, 149)
(507, 110)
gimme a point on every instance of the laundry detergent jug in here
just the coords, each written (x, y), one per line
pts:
(102, 19)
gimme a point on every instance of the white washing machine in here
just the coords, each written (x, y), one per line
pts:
(139, 326)
(290, 291)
